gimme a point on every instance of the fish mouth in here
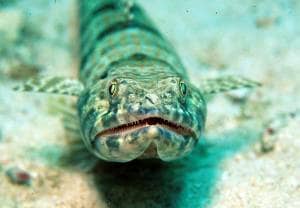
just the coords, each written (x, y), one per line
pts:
(146, 122)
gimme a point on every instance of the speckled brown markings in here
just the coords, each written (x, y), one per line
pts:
(135, 99)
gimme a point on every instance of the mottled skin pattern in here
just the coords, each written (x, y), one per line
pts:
(135, 100)
(131, 72)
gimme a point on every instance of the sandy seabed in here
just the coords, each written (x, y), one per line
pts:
(250, 155)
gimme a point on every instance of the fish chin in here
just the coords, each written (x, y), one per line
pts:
(174, 147)
(120, 149)
(148, 142)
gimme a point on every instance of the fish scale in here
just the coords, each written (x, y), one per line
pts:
(112, 38)
(134, 96)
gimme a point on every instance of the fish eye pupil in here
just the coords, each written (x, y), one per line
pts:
(112, 88)
(183, 88)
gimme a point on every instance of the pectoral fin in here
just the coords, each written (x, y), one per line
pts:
(223, 84)
(55, 85)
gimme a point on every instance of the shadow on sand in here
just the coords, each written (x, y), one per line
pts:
(189, 182)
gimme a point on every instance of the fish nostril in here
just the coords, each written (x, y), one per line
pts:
(149, 99)
(152, 98)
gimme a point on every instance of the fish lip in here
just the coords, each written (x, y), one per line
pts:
(144, 122)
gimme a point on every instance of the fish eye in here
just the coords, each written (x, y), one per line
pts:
(182, 88)
(113, 88)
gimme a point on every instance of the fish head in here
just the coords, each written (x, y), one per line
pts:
(125, 118)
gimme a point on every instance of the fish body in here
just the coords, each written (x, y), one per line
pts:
(152, 110)
(134, 97)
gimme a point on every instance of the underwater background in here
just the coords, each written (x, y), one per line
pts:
(250, 155)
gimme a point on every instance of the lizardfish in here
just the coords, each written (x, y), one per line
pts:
(135, 99)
